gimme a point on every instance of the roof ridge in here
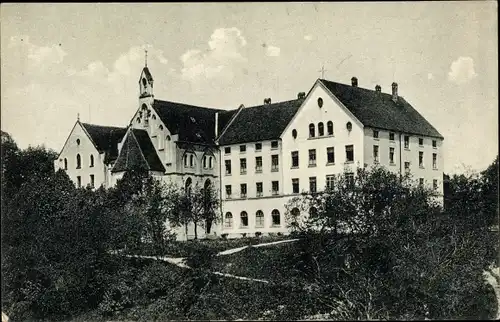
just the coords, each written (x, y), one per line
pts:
(280, 102)
(188, 105)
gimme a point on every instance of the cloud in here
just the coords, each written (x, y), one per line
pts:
(308, 37)
(430, 76)
(223, 54)
(462, 70)
(37, 55)
(273, 51)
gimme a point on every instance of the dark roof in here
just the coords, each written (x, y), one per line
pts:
(192, 123)
(378, 110)
(106, 139)
(138, 152)
(224, 118)
(260, 123)
(146, 71)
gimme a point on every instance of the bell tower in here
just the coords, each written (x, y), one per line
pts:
(146, 82)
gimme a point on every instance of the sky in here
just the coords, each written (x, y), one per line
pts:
(61, 60)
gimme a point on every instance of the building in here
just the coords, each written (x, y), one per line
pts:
(296, 146)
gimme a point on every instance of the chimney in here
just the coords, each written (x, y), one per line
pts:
(395, 92)
(216, 123)
(301, 95)
(354, 82)
(378, 88)
(267, 101)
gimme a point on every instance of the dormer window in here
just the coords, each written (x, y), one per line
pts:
(192, 119)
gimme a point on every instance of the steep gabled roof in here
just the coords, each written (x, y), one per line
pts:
(146, 71)
(378, 110)
(138, 152)
(260, 123)
(192, 123)
(106, 139)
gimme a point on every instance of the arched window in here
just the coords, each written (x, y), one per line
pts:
(313, 212)
(65, 164)
(329, 127)
(187, 186)
(228, 222)
(211, 162)
(259, 219)
(191, 160)
(311, 130)
(295, 212)
(185, 160)
(205, 162)
(91, 160)
(207, 183)
(294, 133)
(244, 219)
(160, 127)
(276, 217)
(78, 161)
(321, 129)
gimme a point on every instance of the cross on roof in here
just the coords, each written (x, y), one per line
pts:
(146, 58)
(322, 70)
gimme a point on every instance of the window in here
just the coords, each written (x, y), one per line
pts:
(276, 217)
(205, 162)
(350, 179)
(274, 144)
(243, 190)
(311, 130)
(348, 126)
(321, 129)
(435, 184)
(258, 164)
(391, 155)
(243, 148)
(295, 212)
(421, 181)
(191, 161)
(78, 161)
(375, 154)
(312, 157)
(407, 142)
(259, 189)
(244, 219)
(312, 184)
(330, 179)
(243, 166)
(407, 166)
(77, 141)
(420, 141)
(185, 160)
(228, 167)
(295, 185)
(227, 150)
(294, 133)
(329, 128)
(274, 163)
(211, 162)
(349, 153)
(259, 219)
(228, 191)
(275, 188)
(330, 155)
(65, 164)
(91, 160)
(391, 136)
(79, 181)
(421, 159)
(92, 182)
(375, 134)
(320, 102)
(258, 146)
(434, 161)
(295, 159)
(228, 222)
(187, 186)
(434, 143)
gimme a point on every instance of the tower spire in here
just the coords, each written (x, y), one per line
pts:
(146, 58)
(78, 117)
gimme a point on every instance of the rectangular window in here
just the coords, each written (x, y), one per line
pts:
(407, 142)
(92, 182)
(258, 146)
(329, 181)
(243, 166)
(312, 157)
(259, 189)
(227, 150)
(421, 181)
(295, 159)
(228, 191)
(349, 153)
(79, 181)
(349, 180)
(243, 148)
(312, 184)
(258, 164)
(330, 155)
(243, 190)
(375, 154)
(274, 163)
(434, 161)
(228, 167)
(274, 144)
(434, 143)
(295, 185)
(391, 155)
(420, 141)
(421, 159)
(276, 188)
(391, 136)
(375, 134)
(407, 166)
(435, 184)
